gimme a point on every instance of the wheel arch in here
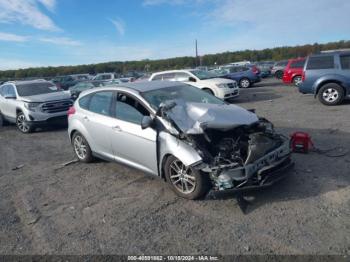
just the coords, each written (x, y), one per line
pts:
(330, 81)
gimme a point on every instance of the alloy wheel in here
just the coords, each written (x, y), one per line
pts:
(181, 177)
(80, 147)
(22, 123)
(330, 95)
(297, 80)
(245, 83)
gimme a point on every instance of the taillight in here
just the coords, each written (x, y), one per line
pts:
(71, 111)
(303, 76)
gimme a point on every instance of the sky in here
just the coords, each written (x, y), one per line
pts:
(70, 32)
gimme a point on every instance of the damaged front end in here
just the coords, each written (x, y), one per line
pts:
(239, 151)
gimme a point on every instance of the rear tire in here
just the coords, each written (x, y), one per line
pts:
(279, 74)
(22, 125)
(297, 80)
(185, 181)
(244, 83)
(331, 94)
(82, 148)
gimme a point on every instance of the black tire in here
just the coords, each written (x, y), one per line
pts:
(1, 120)
(244, 83)
(22, 125)
(279, 74)
(83, 156)
(200, 181)
(207, 90)
(331, 94)
(297, 80)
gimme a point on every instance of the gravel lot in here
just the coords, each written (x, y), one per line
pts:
(106, 208)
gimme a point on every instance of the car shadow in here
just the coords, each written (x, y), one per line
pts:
(314, 173)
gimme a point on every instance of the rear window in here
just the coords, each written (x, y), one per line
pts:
(297, 64)
(320, 62)
(345, 61)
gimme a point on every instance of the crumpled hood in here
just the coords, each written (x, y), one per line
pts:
(62, 95)
(195, 118)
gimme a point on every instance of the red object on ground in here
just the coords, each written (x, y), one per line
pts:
(293, 71)
(301, 142)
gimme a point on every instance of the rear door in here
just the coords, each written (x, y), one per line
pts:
(99, 121)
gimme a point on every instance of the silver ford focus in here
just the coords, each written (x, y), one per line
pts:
(193, 140)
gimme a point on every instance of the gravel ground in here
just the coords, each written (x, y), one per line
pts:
(106, 208)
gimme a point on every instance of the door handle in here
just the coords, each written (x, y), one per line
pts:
(86, 118)
(117, 128)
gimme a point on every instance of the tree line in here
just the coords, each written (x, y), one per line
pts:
(274, 54)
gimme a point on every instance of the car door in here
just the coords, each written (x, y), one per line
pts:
(132, 144)
(98, 120)
(8, 108)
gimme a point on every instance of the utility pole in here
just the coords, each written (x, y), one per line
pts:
(196, 53)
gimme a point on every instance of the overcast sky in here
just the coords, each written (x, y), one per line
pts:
(70, 32)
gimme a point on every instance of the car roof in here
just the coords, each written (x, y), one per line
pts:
(150, 85)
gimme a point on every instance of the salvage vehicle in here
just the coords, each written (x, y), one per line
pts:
(193, 140)
(293, 71)
(81, 86)
(207, 81)
(327, 77)
(32, 104)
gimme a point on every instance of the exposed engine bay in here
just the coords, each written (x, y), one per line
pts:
(238, 149)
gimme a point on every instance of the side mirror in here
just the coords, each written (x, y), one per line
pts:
(10, 97)
(146, 122)
(192, 79)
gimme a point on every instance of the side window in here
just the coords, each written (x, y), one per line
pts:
(130, 110)
(2, 90)
(345, 61)
(100, 103)
(106, 77)
(320, 62)
(297, 64)
(11, 90)
(84, 102)
(182, 77)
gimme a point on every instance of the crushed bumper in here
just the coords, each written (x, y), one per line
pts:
(270, 177)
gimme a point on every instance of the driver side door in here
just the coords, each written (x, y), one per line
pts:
(130, 143)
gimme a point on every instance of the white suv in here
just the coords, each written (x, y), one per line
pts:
(31, 104)
(207, 81)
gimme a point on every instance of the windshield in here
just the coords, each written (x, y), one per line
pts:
(36, 89)
(186, 92)
(202, 75)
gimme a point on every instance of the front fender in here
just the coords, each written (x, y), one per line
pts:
(170, 145)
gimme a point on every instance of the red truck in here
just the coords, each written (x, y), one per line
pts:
(293, 71)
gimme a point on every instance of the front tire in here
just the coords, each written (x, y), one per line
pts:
(22, 124)
(244, 83)
(331, 94)
(1, 120)
(82, 148)
(185, 181)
